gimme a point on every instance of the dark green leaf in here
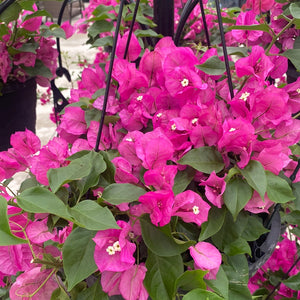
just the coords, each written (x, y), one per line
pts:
(39, 69)
(238, 246)
(220, 284)
(200, 294)
(296, 192)
(38, 13)
(190, 280)
(292, 218)
(161, 275)
(254, 229)
(100, 27)
(183, 179)
(240, 51)
(146, 33)
(214, 223)
(255, 175)
(160, 241)
(295, 10)
(94, 292)
(92, 216)
(237, 195)
(29, 47)
(102, 42)
(204, 159)
(278, 190)
(293, 56)
(293, 282)
(59, 294)
(118, 193)
(41, 200)
(261, 27)
(6, 237)
(92, 115)
(78, 256)
(213, 66)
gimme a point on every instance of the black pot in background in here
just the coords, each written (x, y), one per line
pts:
(292, 73)
(17, 110)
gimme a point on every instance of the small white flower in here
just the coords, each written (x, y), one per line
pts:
(173, 127)
(159, 115)
(194, 121)
(245, 96)
(232, 129)
(110, 250)
(116, 246)
(129, 140)
(196, 210)
(139, 98)
(185, 82)
(298, 91)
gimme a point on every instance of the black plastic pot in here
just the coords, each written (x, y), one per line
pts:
(18, 105)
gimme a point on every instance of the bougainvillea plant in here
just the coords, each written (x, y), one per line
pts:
(184, 178)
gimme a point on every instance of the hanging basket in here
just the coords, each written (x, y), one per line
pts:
(17, 113)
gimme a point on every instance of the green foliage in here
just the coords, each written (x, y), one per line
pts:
(78, 256)
(213, 66)
(204, 159)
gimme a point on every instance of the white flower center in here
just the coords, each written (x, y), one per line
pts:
(232, 129)
(139, 98)
(185, 82)
(159, 115)
(173, 127)
(245, 96)
(129, 140)
(116, 246)
(194, 121)
(298, 91)
(196, 210)
(110, 250)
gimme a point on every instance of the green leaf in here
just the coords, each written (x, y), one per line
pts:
(293, 56)
(200, 294)
(261, 27)
(278, 190)
(238, 246)
(295, 10)
(183, 179)
(161, 275)
(41, 200)
(6, 237)
(255, 175)
(77, 169)
(146, 33)
(95, 292)
(204, 159)
(11, 13)
(29, 47)
(213, 66)
(240, 51)
(100, 27)
(237, 195)
(38, 13)
(237, 272)
(254, 229)
(78, 256)
(190, 280)
(92, 216)
(296, 192)
(39, 69)
(159, 239)
(214, 223)
(118, 193)
(59, 294)
(220, 284)
(102, 42)
(293, 282)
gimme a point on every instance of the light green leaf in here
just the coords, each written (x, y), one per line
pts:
(41, 200)
(77, 169)
(161, 275)
(190, 280)
(146, 33)
(214, 223)
(100, 27)
(278, 190)
(200, 294)
(102, 42)
(255, 175)
(204, 159)
(92, 216)
(237, 195)
(159, 239)
(220, 284)
(118, 193)
(6, 237)
(11, 13)
(213, 66)
(78, 256)
(295, 10)
(260, 27)
(293, 56)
